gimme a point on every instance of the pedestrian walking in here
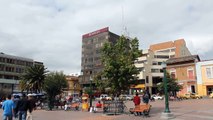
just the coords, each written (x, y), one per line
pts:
(16, 98)
(32, 107)
(8, 108)
(22, 107)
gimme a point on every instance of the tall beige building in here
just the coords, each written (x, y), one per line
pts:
(149, 63)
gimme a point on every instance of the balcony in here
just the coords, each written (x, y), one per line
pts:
(9, 81)
(139, 65)
(157, 74)
(156, 66)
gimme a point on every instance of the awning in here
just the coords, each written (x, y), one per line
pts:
(140, 86)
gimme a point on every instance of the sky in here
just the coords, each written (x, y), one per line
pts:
(51, 31)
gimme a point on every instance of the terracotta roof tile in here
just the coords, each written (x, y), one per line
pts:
(182, 59)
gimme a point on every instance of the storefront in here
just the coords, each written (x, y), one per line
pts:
(137, 88)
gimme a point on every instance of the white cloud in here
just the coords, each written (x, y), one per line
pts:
(51, 30)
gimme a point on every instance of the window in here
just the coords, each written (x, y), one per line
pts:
(147, 79)
(190, 73)
(1, 67)
(189, 89)
(161, 56)
(209, 72)
(154, 63)
(159, 63)
(172, 56)
(155, 70)
(173, 50)
(140, 61)
(140, 68)
(106, 37)
(173, 73)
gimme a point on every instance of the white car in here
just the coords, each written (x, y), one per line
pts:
(126, 97)
(105, 97)
(129, 97)
(157, 97)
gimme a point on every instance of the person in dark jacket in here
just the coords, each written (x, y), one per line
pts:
(146, 97)
(22, 106)
(15, 100)
(32, 106)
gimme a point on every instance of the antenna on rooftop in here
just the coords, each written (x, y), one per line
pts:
(124, 28)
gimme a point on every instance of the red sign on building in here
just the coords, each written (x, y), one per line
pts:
(96, 32)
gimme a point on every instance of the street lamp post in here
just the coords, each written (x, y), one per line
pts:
(90, 91)
(165, 89)
(74, 89)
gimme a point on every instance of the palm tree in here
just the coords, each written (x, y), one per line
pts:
(23, 85)
(34, 78)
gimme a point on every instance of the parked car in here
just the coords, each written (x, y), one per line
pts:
(185, 96)
(105, 97)
(77, 99)
(157, 97)
(129, 97)
(195, 96)
(123, 97)
(190, 95)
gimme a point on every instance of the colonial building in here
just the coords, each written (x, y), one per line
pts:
(11, 68)
(74, 87)
(149, 63)
(204, 70)
(183, 69)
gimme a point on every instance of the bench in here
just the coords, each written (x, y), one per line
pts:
(74, 106)
(141, 110)
(100, 108)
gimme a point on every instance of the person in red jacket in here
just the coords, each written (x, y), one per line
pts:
(137, 100)
(98, 105)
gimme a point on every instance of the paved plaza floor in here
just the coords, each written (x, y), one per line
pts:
(195, 109)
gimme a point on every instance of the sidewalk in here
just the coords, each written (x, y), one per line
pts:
(196, 109)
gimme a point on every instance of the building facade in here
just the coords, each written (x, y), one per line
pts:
(91, 57)
(204, 77)
(74, 87)
(184, 70)
(149, 64)
(11, 68)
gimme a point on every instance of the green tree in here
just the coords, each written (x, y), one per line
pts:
(53, 85)
(33, 79)
(23, 85)
(118, 60)
(100, 83)
(172, 85)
